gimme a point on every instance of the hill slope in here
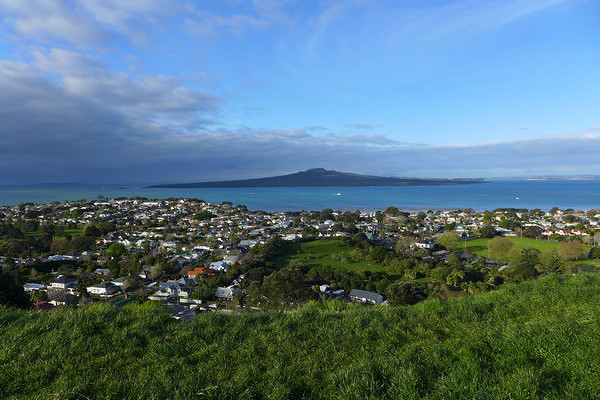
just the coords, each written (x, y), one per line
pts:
(538, 339)
(321, 177)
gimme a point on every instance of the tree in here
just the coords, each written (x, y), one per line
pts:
(116, 250)
(281, 289)
(156, 271)
(449, 240)
(404, 247)
(12, 248)
(377, 254)
(454, 260)
(83, 243)
(550, 262)
(487, 231)
(92, 231)
(571, 250)
(455, 277)
(11, 293)
(524, 263)
(310, 231)
(393, 211)
(499, 248)
(203, 215)
(404, 293)
(60, 245)
(38, 295)
(131, 283)
(357, 255)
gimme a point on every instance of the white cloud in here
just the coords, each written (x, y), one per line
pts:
(87, 24)
(160, 99)
(117, 130)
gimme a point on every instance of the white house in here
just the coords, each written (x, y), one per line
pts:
(292, 236)
(173, 289)
(63, 282)
(33, 287)
(228, 293)
(366, 297)
(104, 289)
(219, 266)
(424, 245)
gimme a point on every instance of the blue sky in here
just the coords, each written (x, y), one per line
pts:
(154, 91)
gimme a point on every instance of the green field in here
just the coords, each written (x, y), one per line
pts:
(72, 232)
(479, 246)
(321, 252)
(534, 340)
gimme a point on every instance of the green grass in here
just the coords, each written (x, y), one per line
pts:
(72, 232)
(595, 262)
(538, 339)
(479, 246)
(588, 265)
(320, 252)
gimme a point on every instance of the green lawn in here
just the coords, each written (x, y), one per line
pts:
(320, 252)
(479, 246)
(72, 232)
(588, 265)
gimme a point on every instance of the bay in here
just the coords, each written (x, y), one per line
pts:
(544, 194)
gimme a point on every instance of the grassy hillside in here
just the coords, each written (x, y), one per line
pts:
(538, 339)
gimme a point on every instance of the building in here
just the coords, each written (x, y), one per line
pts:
(425, 245)
(364, 296)
(64, 282)
(227, 293)
(33, 287)
(220, 266)
(104, 289)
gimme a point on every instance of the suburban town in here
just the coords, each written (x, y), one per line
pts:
(193, 256)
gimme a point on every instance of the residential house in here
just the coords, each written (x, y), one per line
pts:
(33, 287)
(364, 296)
(428, 245)
(220, 266)
(104, 289)
(64, 282)
(227, 293)
(173, 289)
(102, 271)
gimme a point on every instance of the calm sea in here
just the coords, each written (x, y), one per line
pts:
(495, 194)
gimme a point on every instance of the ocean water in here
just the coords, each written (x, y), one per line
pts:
(519, 194)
